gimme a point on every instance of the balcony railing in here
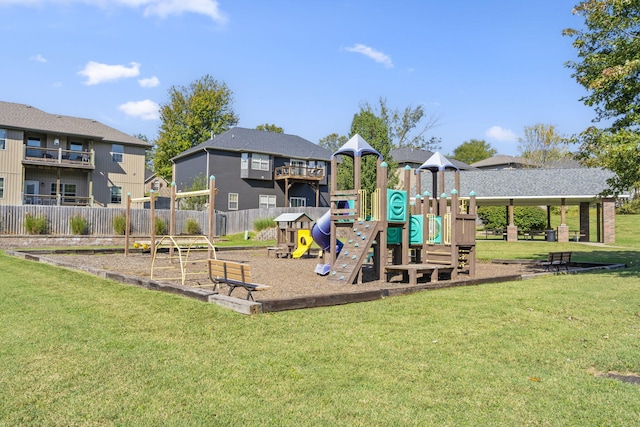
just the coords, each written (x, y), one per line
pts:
(300, 172)
(60, 157)
(56, 200)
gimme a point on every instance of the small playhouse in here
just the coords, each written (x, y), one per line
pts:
(293, 231)
(425, 235)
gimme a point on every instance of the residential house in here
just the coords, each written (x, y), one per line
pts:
(258, 169)
(503, 161)
(158, 184)
(52, 159)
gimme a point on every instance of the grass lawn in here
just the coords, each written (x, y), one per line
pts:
(78, 350)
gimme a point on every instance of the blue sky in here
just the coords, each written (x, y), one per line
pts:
(486, 68)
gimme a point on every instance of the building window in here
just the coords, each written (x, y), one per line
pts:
(33, 147)
(116, 195)
(117, 153)
(156, 185)
(298, 167)
(3, 139)
(267, 201)
(76, 151)
(233, 202)
(1, 188)
(244, 161)
(67, 191)
(260, 162)
(321, 167)
(296, 202)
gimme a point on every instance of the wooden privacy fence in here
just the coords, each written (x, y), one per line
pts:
(100, 220)
(239, 221)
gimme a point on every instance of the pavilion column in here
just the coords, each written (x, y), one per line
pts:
(599, 222)
(584, 222)
(608, 220)
(548, 217)
(563, 228)
(512, 230)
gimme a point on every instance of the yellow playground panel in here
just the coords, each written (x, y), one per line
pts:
(183, 253)
(303, 244)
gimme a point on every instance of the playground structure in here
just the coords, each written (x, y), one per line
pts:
(293, 234)
(434, 234)
(184, 246)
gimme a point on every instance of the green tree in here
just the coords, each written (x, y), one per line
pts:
(609, 59)
(270, 128)
(473, 151)
(192, 114)
(149, 153)
(333, 141)
(608, 67)
(542, 144)
(616, 151)
(196, 203)
(407, 128)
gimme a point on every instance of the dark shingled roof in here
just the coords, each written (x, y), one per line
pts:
(26, 117)
(528, 186)
(264, 142)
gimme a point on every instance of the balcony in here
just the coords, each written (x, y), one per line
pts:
(301, 173)
(57, 200)
(58, 157)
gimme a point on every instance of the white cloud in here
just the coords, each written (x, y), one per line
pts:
(369, 52)
(164, 8)
(500, 134)
(99, 73)
(149, 82)
(161, 8)
(145, 110)
(38, 58)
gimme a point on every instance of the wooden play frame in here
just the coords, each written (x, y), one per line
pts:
(184, 245)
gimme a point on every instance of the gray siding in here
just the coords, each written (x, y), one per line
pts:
(226, 167)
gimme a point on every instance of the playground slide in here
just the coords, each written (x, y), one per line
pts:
(321, 233)
(304, 243)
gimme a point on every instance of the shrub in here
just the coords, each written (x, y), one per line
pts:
(526, 218)
(120, 225)
(35, 224)
(160, 227)
(529, 218)
(79, 225)
(192, 226)
(263, 223)
(629, 208)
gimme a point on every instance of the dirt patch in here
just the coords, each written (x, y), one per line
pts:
(287, 278)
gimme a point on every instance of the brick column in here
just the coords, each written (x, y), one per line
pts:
(584, 221)
(563, 233)
(608, 220)
(512, 229)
